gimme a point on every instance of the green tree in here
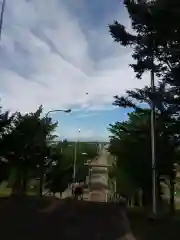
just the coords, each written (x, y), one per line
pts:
(59, 172)
(5, 127)
(154, 36)
(155, 42)
(26, 146)
(134, 134)
(61, 161)
(84, 151)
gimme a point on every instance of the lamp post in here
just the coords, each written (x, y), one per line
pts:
(42, 166)
(75, 157)
(62, 141)
(153, 122)
(153, 118)
(57, 110)
(153, 150)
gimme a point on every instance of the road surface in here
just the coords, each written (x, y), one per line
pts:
(23, 220)
(99, 178)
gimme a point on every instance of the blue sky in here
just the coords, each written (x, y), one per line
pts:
(53, 52)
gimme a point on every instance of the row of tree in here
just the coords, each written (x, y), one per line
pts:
(155, 41)
(27, 152)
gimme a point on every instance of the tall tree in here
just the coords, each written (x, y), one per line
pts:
(61, 162)
(59, 172)
(26, 145)
(5, 127)
(155, 42)
(134, 134)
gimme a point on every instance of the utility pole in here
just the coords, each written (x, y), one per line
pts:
(153, 125)
(153, 144)
(75, 156)
(42, 165)
(153, 119)
(1, 17)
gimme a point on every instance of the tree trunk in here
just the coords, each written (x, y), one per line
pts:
(143, 198)
(17, 185)
(159, 194)
(16, 188)
(41, 179)
(136, 199)
(147, 197)
(41, 182)
(24, 182)
(172, 200)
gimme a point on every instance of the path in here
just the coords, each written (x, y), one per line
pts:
(70, 220)
(99, 178)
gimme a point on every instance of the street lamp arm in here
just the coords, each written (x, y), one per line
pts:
(58, 110)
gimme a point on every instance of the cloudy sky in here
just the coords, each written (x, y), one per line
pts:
(53, 52)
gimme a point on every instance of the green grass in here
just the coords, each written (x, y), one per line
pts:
(6, 192)
(178, 193)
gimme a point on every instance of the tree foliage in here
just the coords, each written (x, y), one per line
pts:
(130, 142)
(24, 144)
(155, 42)
(61, 161)
(59, 172)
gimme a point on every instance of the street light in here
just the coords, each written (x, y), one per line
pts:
(75, 157)
(42, 166)
(89, 173)
(153, 121)
(62, 141)
(57, 110)
(153, 118)
(84, 154)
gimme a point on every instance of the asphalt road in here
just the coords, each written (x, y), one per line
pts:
(70, 220)
(99, 178)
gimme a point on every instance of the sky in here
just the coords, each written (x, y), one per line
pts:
(59, 53)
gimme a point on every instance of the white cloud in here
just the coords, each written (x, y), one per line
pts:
(57, 78)
(48, 58)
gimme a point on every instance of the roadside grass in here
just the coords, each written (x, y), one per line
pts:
(6, 191)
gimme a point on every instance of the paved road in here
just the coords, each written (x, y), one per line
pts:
(99, 178)
(23, 220)
(85, 220)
